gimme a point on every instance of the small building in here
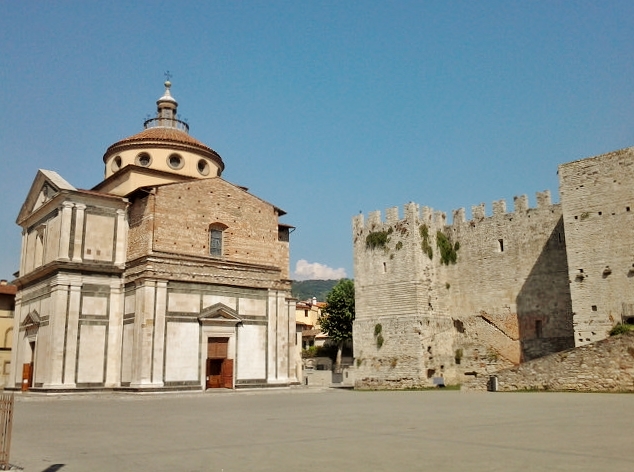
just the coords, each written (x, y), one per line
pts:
(7, 306)
(163, 276)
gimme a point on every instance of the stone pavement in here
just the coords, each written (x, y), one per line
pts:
(324, 429)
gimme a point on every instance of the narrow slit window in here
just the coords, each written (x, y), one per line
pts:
(501, 245)
(538, 329)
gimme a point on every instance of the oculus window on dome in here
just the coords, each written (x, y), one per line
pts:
(143, 159)
(116, 163)
(203, 167)
(175, 161)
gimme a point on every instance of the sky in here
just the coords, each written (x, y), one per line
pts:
(323, 108)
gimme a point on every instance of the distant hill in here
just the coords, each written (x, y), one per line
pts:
(305, 289)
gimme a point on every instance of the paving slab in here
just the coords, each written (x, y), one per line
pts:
(324, 429)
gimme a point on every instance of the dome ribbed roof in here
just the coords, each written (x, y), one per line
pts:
(164, 137)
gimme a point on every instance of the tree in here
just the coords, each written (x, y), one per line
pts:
(337, 316)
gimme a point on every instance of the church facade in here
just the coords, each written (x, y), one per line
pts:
(163, 276)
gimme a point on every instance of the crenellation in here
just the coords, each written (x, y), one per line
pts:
(458, 216)
(499, 208)
(439, 219)
(411, 212)
(391, 215)
(478, 212)
(374, 219)
(543, 200)
(426, 214)
(521, 204)
(471, 298)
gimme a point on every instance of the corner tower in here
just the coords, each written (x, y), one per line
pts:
(163, 152)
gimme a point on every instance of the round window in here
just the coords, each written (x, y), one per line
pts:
(116, 163)
(203, 167)
(175, 161)
(143, 159)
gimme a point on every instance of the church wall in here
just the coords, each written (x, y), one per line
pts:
(184, 212)
(141, 227)
(251, 352)
(127, 346)
(598, 200)
(182, 351)
(53, 238)
(100, 237)
(91, 355)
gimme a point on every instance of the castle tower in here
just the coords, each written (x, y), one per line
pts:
(163, 152)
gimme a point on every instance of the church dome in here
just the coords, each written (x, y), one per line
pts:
(164, 145)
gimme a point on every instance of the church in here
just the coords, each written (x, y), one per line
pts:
(164, 276)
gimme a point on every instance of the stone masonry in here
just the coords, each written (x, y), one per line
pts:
(602, 366)
(442, 303)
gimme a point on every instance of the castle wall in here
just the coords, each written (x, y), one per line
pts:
(598, 201)
(505, 299)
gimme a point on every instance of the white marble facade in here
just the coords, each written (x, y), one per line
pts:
(92, 313)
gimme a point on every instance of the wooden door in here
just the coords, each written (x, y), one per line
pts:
(216, 370)
(27, 376)
(227, 373)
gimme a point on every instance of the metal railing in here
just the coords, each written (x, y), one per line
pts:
(159, 122)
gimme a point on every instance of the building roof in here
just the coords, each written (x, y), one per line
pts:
(160, 137)
(8, 289)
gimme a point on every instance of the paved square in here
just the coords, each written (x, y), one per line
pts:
(334, 430)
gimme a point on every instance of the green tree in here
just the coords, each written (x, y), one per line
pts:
(337, 316)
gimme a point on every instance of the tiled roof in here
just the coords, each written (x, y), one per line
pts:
(8, 289)
(164, 136)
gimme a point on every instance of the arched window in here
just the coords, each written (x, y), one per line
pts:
(216, 232)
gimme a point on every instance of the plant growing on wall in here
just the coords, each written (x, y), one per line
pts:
(378, 336)
(621, 328)
(448, 251)
(377, 239)
(425, 246)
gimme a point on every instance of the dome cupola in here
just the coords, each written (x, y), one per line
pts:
(163, 152)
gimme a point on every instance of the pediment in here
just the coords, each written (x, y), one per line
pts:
(31, 320)
(219, 314)
(46, 185)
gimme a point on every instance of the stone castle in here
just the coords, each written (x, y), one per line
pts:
(443, 303)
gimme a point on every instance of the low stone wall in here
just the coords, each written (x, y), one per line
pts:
(603, 366)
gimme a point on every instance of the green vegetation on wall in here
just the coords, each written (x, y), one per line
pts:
(448, 251)
(377, 239)
(425, 246)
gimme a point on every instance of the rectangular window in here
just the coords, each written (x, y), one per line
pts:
(215, 244)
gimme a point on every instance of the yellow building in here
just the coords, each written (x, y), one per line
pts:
(7, 305)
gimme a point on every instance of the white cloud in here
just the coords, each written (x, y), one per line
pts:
(305, 270)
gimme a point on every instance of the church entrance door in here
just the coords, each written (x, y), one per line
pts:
(219, 369)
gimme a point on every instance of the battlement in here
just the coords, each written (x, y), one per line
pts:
(423, 214)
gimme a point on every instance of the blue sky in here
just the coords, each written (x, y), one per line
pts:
(324, 108)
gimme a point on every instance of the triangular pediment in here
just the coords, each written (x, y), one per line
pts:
(219, 313)
(46, 185)
(31, 320)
